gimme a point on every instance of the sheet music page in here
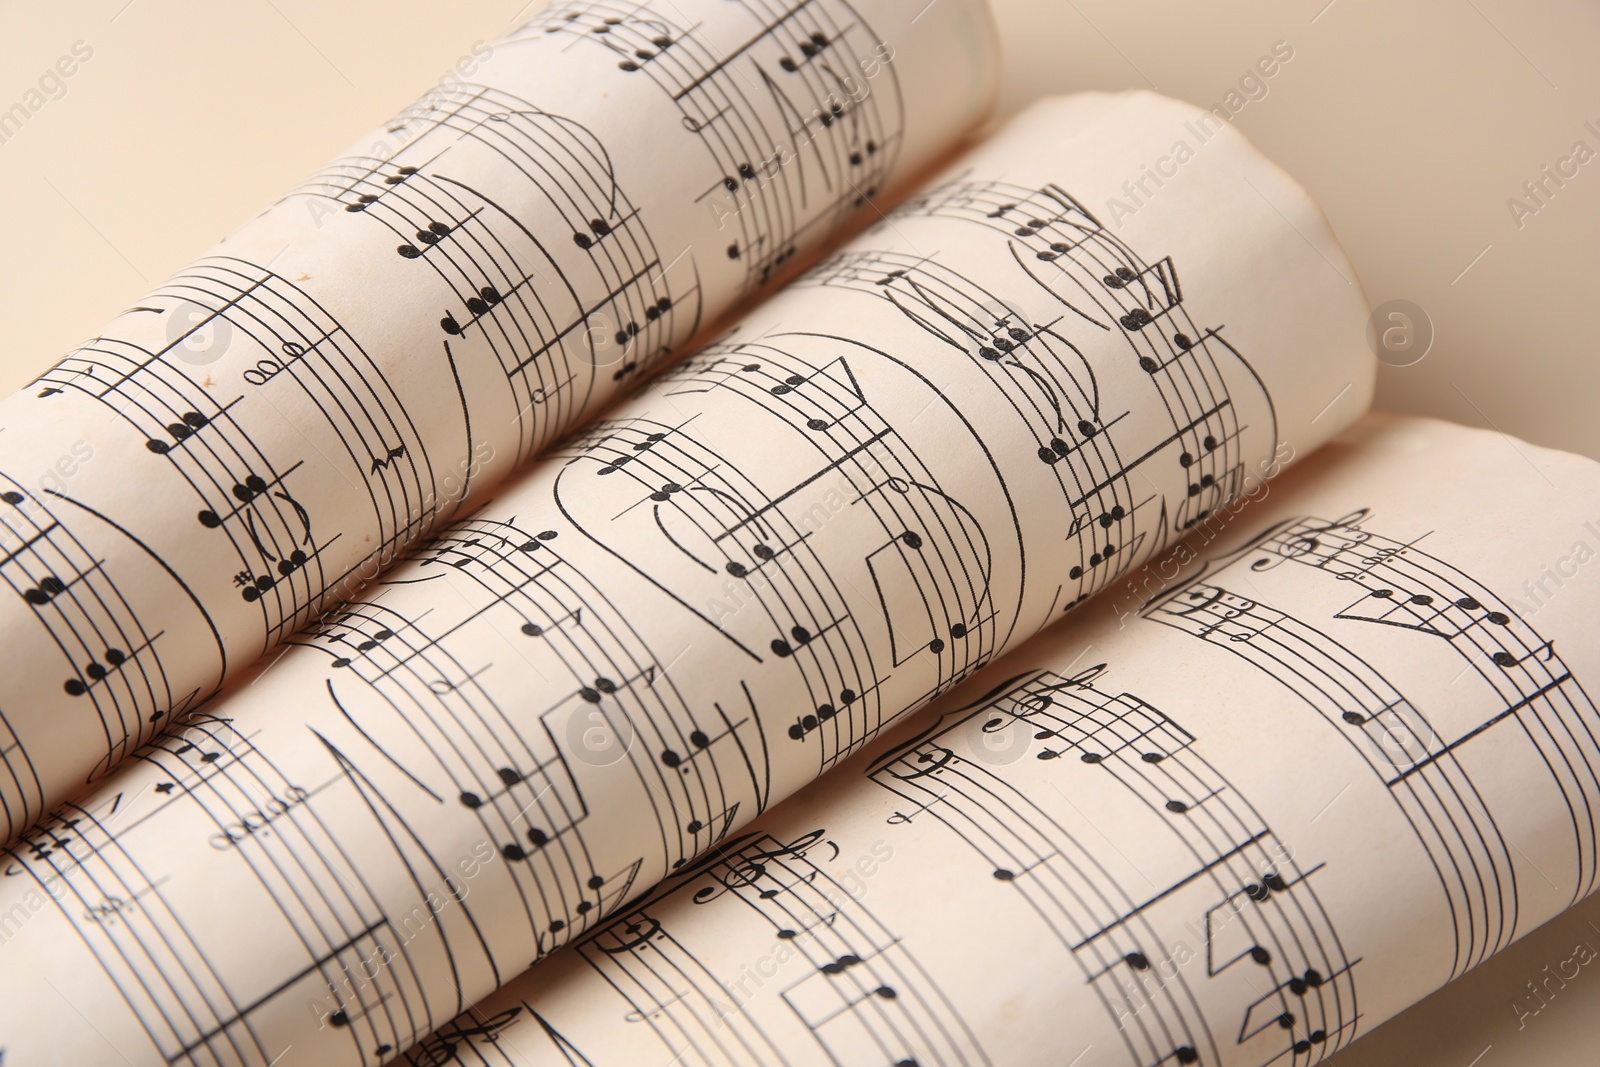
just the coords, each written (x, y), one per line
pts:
(264, 432)
(1237, 815)
(978, 414)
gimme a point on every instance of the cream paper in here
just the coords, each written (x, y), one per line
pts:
(982, 412)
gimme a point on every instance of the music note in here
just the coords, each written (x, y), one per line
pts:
(96, 672)
(810, 49)
(432, 235)
(599, 230)
(1011, 874)
(536, 629)
(49, 587)
(181, 431)
(727, 816)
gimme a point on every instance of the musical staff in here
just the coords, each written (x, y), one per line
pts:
(1038, 362)
(286, 417)
(1106, 751)
(923, 553)
(1342, 665)
(760, 560)
(1149, 851)
(800, 128)
(862, 996)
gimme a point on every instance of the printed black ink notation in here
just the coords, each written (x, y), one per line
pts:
(518, 598)
(676, 491)
(1220, 415)
(1428, 781)
(860, 994)
(1052, 387)
(802, 120)
(1427, 760)
(244, 493)
(110, 667)
(298, 346)
(482, 1034)
(842, 555)
(1201, 857)
(175, 975)
(554, 275)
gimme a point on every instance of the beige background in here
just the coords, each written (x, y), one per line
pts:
(1413, 124)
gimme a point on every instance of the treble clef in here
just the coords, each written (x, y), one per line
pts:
(747, 868)
(1305, 539)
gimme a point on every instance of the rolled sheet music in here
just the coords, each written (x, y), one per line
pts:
(1261, 797)
(471, 280)
(992, 405)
